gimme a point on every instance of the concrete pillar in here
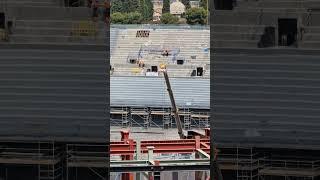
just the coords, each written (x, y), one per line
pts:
(138, 157)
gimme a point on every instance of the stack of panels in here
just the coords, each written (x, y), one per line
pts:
(53, 94)
(267, 97)
(152, 92)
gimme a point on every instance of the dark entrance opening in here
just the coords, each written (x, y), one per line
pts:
(199, 71)
(180, 61)
(223, 4)
(154, 68)
(132, 61)
(2, 21)
(287, 32)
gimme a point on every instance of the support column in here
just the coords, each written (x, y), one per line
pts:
(138, 157)
(125, 137)
(198, 174)
(175, 175)
(150, 159)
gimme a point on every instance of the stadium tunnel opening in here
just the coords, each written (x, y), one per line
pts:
(133, 61)
(154, 68)
(199, 71)
(180, 61)
(287, 31)
(224, 4)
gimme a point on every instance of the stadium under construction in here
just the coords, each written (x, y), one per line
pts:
(263, 120)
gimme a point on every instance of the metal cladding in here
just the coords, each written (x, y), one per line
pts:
(52, 94)
(267, 97)
(152, 92)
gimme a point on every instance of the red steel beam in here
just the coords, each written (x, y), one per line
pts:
(161, 146)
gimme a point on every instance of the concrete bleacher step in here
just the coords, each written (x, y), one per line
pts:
(312, 29)
(54, 39)
(84, 48)
(32, 3)
(311, 37)
(310, 45)
(49, 13)
(50, 31)
(235, 44)
(53, 23)
(237, 28)
(235, 36)
(273, 4)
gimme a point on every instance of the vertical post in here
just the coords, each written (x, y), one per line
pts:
(198, 174)
(150, 159)
(128, 176)
(175, 175)
(138, 157)
(67, 159)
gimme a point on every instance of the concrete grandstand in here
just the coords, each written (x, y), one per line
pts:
(142, 87)
(139, 99)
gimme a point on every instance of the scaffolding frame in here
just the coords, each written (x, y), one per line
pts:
(46, 155)
(95, 157)
(159, 117)
(249, 164)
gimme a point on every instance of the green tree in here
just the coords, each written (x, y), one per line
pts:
(186, 3)
(118, 18)
(126, 18)
(204, 4)
(116, 6)
(133, 5)
(124, 6)
(134, 18)
(146, 9)
(166, 6)
(168, 18)
(196, 16)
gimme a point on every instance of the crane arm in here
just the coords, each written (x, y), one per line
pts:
(173, 104)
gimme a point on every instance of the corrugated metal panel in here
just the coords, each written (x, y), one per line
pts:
(152, 92)
(268, 98)
(52, 94)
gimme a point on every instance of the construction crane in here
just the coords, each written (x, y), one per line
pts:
(216, 169)
(163, 68)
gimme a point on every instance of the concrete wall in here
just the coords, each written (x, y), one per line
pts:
(53, 94)
(265, 97)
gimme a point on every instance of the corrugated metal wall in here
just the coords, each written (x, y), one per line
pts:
(56, 94)
(267, 97)
(152, 92)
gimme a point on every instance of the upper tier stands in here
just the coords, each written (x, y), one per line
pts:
(245, 24)
(189, 44)
(50, 22)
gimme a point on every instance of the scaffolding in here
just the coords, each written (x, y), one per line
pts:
(249, 163)
(45, 155)
(123, 112)
(141, 114)
(94, 157)
(186, 118)
(201, 119)
(159, 117)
